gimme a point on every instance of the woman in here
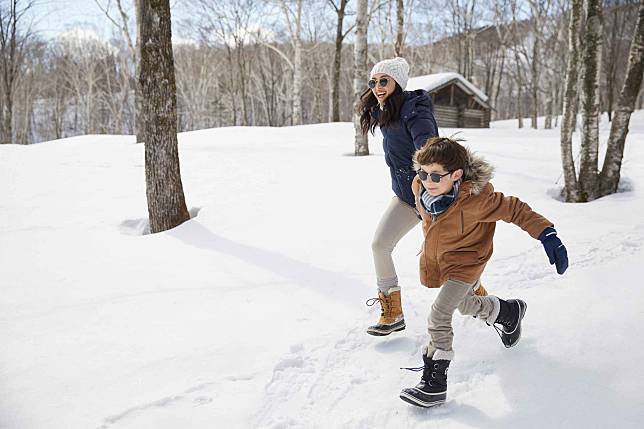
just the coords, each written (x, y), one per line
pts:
(406, 120)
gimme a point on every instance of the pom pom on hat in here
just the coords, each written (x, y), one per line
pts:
(397, 68)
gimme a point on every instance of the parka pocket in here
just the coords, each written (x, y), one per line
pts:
(464, 257)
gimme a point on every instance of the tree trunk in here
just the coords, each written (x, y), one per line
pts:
(337, 63)
(12, 14)
(243, 76)
(138, 117)
(519, 105)
(166, 202)
(359, 75)
(496, 112)
(615, 28)
(556, 102)
(329, 80)
(469, 43)
(570, 98)
(296, 35)
(297, 83)
(611, 65)
(519, 65)
(591, 58)
(549, 105)
(400, 29)
(609, 178)
(6, 134)
(535, 83)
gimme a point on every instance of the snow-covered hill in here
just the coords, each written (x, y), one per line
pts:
(252, 314)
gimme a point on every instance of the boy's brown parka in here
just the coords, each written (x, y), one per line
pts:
(458, 243)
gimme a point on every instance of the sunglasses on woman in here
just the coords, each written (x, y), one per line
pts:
(436, 177)
(383, 81)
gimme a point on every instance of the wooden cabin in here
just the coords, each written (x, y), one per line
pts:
(457, 102)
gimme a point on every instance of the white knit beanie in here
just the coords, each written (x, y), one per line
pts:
(397, 68)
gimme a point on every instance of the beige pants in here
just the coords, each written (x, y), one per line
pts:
(454, 295)
(395, 223)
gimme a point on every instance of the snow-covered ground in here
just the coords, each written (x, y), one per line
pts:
(252, 315)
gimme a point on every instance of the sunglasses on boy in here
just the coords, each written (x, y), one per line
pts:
(383, 81)
(436, 177)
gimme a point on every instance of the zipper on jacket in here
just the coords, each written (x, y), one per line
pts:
(462, 223)
(436, 248)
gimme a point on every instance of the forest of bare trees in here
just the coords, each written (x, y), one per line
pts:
(582, 93)
(287, 62)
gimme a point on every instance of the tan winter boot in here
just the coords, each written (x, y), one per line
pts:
(391, 316)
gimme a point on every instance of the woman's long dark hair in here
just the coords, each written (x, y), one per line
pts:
(388, 116)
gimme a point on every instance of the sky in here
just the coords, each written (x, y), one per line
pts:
(51, 17)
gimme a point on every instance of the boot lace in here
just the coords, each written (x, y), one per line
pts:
(372, 301)
(428, 373)
(498, 331)
(384, 304)
(420, 368)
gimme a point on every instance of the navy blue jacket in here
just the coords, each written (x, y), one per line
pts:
(402, 139)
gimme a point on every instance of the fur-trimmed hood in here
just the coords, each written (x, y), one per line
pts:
(477, 171)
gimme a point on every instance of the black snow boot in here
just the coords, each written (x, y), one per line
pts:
(510, 315)
(432, 389)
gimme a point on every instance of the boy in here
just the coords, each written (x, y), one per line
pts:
(459, 209)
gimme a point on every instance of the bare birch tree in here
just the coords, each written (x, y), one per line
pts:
(30, 83)
(518, 63)
(541, 27)
(293, 16)
(122, 23)
(197, 70)
(359, 76)
(229, 25)
(569, 120)
(13, 37)
(166, 202)
(340, 34)
(552, 62)
(272, 90)
(464, 14)
(84, 58)
(591, 57)
(57, 92)
(617, 31)
(504, 33)
(610, 174)
(399, 46)
(380, 19)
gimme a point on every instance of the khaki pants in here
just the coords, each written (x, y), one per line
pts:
(459, 295)
(395, 223)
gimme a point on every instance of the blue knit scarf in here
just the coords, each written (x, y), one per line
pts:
(436, 205)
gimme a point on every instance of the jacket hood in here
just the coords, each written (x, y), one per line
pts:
(477, 171)
(414, 100)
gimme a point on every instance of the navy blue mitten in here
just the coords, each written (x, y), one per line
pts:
(555, 249)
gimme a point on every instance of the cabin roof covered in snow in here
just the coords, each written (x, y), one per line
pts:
(432, 82)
